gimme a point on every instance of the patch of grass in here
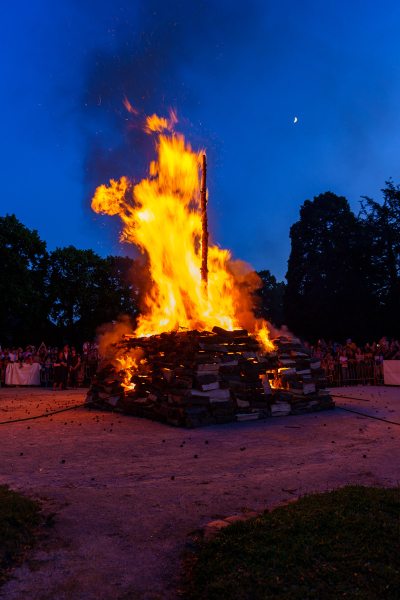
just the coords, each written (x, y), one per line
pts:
(345, 543)
(19, 520)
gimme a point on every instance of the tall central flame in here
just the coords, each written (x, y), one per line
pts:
(161, 215)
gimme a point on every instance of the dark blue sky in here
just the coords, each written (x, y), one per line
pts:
(238, 74)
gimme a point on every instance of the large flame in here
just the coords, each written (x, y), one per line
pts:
(162, 216)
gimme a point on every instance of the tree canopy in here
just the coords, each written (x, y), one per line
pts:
(328, 275)
(271, 295)
(65, 294)
(23, 269)
(381, 224)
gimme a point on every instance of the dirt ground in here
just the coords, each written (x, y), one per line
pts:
(131, 490)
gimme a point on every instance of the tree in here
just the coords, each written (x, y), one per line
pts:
(271, 295)
(328, 279)
(77, 280)
(22, 288)
(86, 291)
(382, 226)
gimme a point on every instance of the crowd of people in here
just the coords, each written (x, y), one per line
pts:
(346, 364)
(59, 366)
(350, 364)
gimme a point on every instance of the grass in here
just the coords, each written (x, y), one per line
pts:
(341, 544)
(19, 521)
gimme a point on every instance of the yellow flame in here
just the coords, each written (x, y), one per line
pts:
(155, 123)
(129, 364)
(109, 199)
(262, 335)
(161, 215)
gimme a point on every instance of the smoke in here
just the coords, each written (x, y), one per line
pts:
(110, 349)
(110, 334)
(151, 51)
(283, 331)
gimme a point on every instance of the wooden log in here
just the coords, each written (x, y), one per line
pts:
(207, 367)
(212, 394)
(205, 387)
(231, 359)
(205, 379)
(235, 333)
(183, 401)
(218, 339)
(224, 349)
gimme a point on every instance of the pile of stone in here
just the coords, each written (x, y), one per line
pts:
(195, 379)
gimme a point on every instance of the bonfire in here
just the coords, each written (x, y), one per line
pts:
(198, 355)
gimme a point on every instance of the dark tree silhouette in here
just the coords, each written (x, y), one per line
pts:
(327, 291)
(382, 226)
(22, 282)
(86, 291)
(271, 295)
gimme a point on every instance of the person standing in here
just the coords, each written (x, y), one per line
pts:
(74, 362)
(47, 369)
(345, 369)
(360, 369)
(86, 351)
(58, 375)
(65, 366)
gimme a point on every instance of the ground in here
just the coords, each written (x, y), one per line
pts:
(131, 490)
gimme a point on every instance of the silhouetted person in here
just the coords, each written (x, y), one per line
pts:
(74, 362)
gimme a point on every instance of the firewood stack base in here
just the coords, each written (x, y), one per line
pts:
(197, 379)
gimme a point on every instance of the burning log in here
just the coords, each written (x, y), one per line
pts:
(187, 379)
(204, 231)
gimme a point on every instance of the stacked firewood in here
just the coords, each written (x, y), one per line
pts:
(195, 379)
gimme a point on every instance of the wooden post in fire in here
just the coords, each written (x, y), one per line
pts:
(204, 235)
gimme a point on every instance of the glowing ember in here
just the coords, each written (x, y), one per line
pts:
(162, 216)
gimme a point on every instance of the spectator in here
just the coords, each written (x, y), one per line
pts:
(86, 351)
(351, 345)
(58, 375)
(74, 363)
(345, 370)
(394, 352)
(65, 366)
(28, 358)
(47, 368)
(359, 355)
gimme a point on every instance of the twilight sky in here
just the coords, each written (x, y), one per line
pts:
(238, 74)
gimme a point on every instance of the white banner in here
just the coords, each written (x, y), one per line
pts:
(391, 372)
(17, 374)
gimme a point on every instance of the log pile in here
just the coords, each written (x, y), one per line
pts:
(195, 379)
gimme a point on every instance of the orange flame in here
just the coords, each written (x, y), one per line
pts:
(262, 334)
(154, 123)
(162, 216)
(129, 365)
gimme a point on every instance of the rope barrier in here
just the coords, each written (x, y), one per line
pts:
(55, 412)
(350, 398)
(356, 412)
(45, 415)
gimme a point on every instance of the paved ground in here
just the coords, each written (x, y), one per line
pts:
(130, 490)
